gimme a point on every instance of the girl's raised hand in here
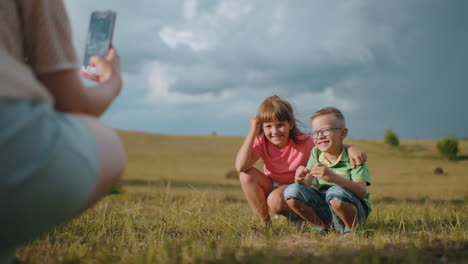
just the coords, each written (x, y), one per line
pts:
(254, 123)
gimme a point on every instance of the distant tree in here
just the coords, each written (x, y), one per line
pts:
(232, 174)
(448, 148)
(116, 189)
(391, 138)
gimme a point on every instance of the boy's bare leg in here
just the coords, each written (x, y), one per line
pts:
(306, 213)
(256, 187)
(346, 212)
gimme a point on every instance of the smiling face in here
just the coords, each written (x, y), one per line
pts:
(334, 141)
(277, 132)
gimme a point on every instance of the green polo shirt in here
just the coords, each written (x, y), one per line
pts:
(342, 167)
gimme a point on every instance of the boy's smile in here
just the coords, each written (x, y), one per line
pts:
(331, 135)
(323, 143)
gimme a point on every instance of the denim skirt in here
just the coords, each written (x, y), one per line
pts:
(49, 165)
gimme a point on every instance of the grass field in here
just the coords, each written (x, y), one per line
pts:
(177, 206)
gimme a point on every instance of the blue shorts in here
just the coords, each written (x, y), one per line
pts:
(49, 168)
(318, 200)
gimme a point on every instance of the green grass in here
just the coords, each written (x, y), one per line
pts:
(175, 205)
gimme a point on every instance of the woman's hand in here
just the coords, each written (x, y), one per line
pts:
(106, 68)
(76, 98)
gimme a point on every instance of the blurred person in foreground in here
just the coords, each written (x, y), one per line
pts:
(56, 158)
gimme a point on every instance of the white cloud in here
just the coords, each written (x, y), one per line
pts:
(173, 38)
(160, 80)
(223, 57)
(309, 102)
(190, 9)
(202, 30)
(162, 77)
(279, 17)
(233, 9)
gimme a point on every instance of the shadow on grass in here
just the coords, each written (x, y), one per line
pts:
(178, 184)
(432, 252)
(392, 200)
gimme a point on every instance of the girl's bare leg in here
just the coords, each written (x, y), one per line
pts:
(277, 204)
(256, 187)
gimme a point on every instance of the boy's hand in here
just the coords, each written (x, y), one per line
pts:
(301, 174)
(323, 172)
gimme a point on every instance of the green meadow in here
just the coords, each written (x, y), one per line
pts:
(175, 204)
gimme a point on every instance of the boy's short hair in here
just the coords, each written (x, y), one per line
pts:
(327, 111)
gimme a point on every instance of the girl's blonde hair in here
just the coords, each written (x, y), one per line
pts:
(275, 108)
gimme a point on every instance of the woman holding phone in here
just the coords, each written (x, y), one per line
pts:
(57, 159)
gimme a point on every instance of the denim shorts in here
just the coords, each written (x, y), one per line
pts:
(318, 201)
(49, 168)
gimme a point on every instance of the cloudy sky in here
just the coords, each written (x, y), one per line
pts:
(196, 67)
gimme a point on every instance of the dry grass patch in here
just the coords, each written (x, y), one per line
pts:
(176, 206)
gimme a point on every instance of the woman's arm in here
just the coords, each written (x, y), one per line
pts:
(71, 96)
(244, 158)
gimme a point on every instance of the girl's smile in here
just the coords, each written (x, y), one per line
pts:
(277, 132)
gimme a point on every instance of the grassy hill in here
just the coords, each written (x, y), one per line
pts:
(405, 172)
(177, 206)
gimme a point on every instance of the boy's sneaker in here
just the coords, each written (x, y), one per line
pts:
(319, 230)
(347, 231)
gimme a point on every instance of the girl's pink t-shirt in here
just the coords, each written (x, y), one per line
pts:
(281, 164)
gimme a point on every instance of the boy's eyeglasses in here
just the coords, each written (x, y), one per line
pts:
(324, 131)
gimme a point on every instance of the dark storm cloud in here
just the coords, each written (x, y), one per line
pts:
(398, 64)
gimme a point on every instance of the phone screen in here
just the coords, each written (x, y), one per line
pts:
(101, 29)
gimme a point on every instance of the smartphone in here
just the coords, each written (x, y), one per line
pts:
(99, 38)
